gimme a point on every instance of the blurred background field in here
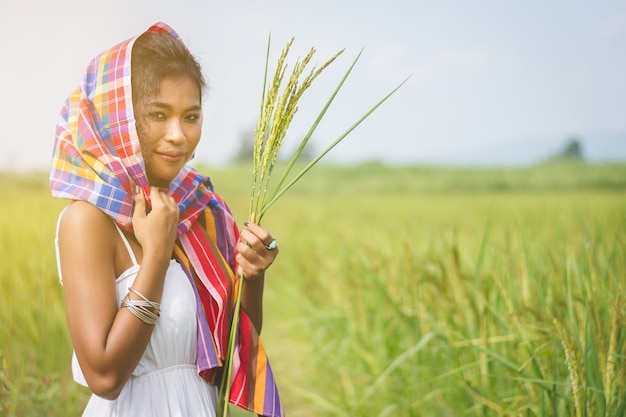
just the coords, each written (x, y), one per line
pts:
(404, 291)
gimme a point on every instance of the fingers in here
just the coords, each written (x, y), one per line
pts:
(250, 264)
(257, 237)
(157, 199)
(155, 226)
(140, 203)
(161, 199)
(254, 257)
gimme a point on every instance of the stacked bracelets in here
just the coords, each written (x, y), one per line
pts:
(144, 309)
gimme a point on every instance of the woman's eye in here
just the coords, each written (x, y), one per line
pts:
(156, 116)
(192, 118)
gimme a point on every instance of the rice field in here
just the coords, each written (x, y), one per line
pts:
(409, 291)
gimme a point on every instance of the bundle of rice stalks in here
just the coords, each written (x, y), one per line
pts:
(278, 108)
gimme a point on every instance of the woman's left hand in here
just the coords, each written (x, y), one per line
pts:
(256, 252)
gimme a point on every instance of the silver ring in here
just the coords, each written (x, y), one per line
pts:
(272, 245)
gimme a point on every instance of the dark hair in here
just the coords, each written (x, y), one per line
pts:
(156, 56)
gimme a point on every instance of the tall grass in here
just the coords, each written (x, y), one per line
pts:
(34, 339)
(464, 305)
(484, 278)
(390, 297)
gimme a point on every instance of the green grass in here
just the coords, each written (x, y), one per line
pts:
(413, 291)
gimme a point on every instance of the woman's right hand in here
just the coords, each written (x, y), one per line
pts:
(155, 231)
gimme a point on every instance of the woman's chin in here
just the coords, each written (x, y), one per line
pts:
(161, 182)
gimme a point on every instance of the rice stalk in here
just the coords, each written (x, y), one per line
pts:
(611, 360)
(274, 121)
(515, 368)
(395, 364)
(310, 165)
(484, 400)
(575, 368)
(276, 113)
(320, 402)
(267, 110)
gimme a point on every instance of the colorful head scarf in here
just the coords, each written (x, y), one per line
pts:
(97, 158)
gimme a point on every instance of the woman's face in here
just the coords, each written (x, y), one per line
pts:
(169, 126)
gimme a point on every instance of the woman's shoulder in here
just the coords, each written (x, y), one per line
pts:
(78, 211)
(81, 218)
(85, 241)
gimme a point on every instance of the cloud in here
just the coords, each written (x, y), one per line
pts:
(448, 62)
(390, 61)
(614, 26)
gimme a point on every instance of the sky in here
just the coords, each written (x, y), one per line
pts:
(491, 82)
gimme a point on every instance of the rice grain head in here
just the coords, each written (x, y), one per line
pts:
(575, 368)
(611, 385)
(277, 112)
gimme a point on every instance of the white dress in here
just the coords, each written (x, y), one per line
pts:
(165, 381)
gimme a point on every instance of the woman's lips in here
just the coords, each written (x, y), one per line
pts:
(171, 157)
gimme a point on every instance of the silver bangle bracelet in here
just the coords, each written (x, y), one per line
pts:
(155, 305)
(145, 310)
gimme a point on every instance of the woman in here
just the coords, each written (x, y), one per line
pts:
(147, 253)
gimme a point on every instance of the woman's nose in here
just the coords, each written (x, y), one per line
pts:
(175, 132)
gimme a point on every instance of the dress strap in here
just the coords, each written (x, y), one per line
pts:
(56, 246)
(127, 244)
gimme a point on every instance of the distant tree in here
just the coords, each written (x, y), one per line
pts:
(572, 151)
(246, 148)
(307, 154)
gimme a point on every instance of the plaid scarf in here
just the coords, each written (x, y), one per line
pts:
(97, 158)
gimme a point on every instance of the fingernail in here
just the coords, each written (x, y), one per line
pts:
(246, 223)
(137, 190)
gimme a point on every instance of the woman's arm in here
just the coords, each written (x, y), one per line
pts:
(252, 301)
(109, 342)
(254, 258)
